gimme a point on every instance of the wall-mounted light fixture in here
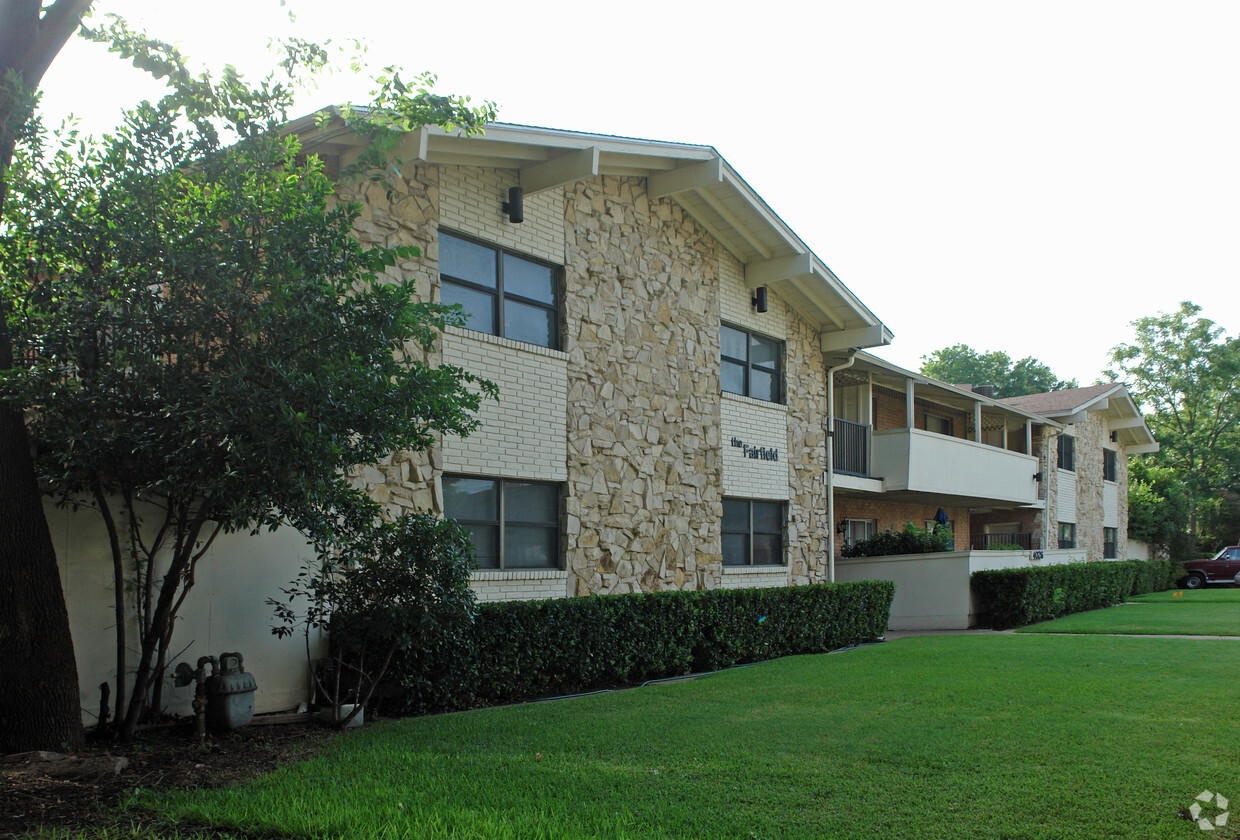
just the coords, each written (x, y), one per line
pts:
(515, 205)
(1037, 476)
(759, 299)
(842, 528)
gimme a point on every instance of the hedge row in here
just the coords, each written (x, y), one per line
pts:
(1016, 597)
(520, 650)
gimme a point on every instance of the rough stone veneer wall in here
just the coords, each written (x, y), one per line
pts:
(1089, 508)
(642, 337)
(808, 529)
(404, 480)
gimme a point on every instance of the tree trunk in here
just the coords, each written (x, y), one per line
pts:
(39, 705)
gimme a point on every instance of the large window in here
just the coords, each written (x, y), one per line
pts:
(753, 533)
(513, 524)
(1067, 452)
(1108, 465)
(751, 364)
(1067, 535)
(503, 293)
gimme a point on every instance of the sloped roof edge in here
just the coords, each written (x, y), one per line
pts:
(704, 184)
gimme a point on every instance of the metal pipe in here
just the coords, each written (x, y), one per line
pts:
(830, 430)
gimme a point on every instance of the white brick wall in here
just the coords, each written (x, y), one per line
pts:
(1065, 499)
(1110, 505)
(523, 585)
(471, 200)
(756, 424)
(735, 306)
(746, 577)
(524, 434)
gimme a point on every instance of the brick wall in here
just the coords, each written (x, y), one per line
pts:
(471, 201)
(523, 585)
(892, 515)
(519, 437)
(736, 307)
(755, 424)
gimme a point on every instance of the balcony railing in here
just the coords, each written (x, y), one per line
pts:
(988, 542)
(851, 450)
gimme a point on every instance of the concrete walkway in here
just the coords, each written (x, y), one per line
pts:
(891, 635)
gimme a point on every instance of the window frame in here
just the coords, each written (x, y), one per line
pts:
(1068, 528)
(1110, 465)
(499, 296)
(1110, 548)
(501, 522)
(747, 366)
(1066, 453)
(871, 526)
(750, 533)
(946, 421)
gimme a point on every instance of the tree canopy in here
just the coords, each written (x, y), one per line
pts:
(1182, 368)
(199, 339)
(960, 364)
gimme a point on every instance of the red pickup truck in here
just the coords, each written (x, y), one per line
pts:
(1223, 567)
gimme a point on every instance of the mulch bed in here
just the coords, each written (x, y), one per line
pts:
(164, 758)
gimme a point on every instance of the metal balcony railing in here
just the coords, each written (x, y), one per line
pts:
(986, 542)
(851, 450)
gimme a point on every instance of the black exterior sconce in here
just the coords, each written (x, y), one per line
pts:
(759, 299)
(515, 205)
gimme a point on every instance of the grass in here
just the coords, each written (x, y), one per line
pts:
(1201, 612)
(947, 737)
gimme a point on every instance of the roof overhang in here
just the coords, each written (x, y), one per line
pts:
(1124, 418)
(892, 376)
(695, 177)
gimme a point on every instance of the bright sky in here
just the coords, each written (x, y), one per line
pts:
(1013, 176)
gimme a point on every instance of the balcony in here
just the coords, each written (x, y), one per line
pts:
(924, 462)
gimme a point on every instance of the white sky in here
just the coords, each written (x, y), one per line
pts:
(1025, 177)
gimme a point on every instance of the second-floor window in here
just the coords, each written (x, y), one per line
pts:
(1109, 466)
(751, 364)
(1067, 453)
(502, 293)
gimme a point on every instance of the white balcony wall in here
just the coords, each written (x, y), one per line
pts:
(911, 459)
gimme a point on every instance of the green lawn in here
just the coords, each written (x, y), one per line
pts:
(1201, 612)
(946, 737)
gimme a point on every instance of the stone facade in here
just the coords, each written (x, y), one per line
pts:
(628, 415)
(644, 465)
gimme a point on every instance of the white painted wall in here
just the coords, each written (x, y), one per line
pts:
(225, 611)
(912, 459)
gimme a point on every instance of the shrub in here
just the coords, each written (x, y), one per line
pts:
(910, 540)
(1015, 597)
(518, 650)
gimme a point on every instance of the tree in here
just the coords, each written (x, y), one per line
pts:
(1158, 509)
(202, 342)
(39, 701)
(1182, 369)
(961, 364)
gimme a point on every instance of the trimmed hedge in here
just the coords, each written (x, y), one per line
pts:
(1016, 597)
(518, 650)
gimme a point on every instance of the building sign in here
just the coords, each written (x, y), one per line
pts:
(761, 453)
